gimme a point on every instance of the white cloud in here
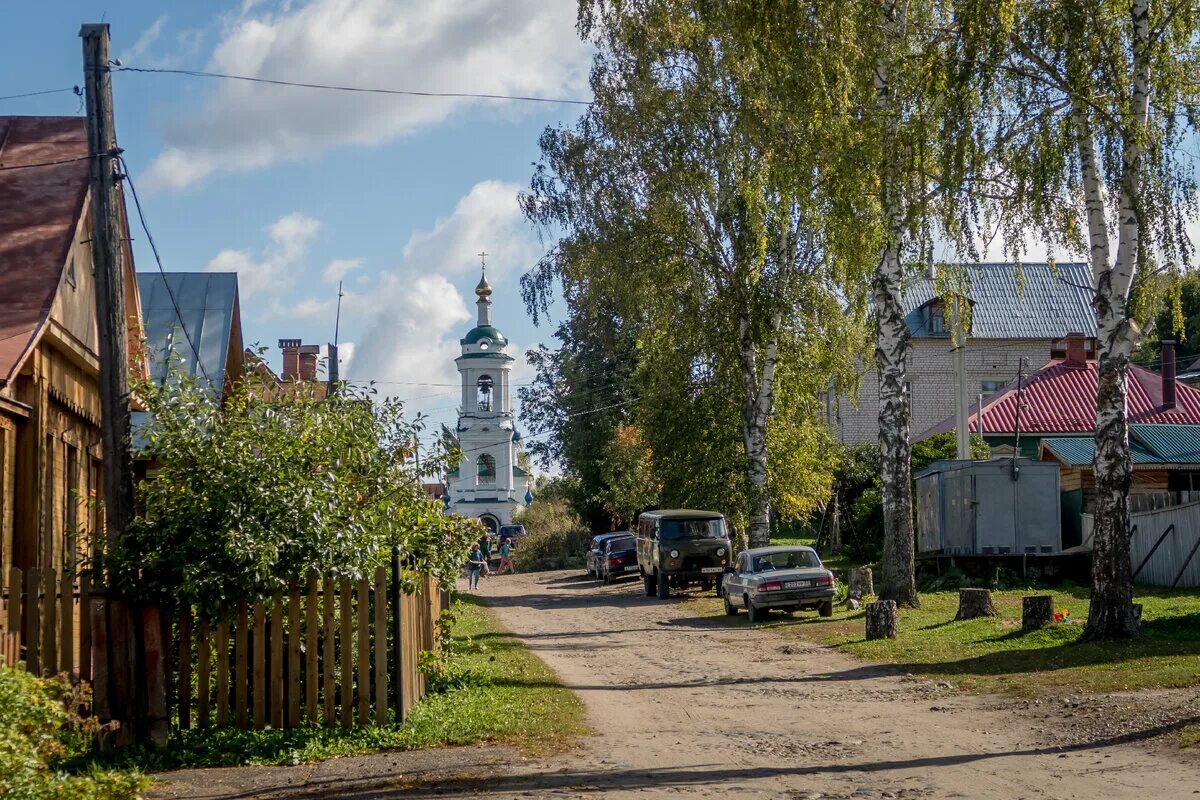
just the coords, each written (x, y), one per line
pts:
(275, 268)
(143, 43)
(484, 46)
(339, 267)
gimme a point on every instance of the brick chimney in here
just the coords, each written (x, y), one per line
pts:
(1076, 351)
(299, 360)
(1167, 350)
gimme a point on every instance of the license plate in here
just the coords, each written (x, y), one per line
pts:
(797, 584)
(630, 569)
(712, 569)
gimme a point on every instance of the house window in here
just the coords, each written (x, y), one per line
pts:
(484, 393)
(935, 318)
(71, 510)
(71, 272)
(487, 469)
(990, 387)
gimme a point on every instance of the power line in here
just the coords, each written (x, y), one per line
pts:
(49, 163)
(74, 89)
(359, 89)
(166, 283)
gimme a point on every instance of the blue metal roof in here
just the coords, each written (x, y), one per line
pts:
(1148, 444)
(1046, 302)
(207, 303)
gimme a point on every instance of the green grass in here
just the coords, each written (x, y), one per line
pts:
(993, 655)
(509, 696)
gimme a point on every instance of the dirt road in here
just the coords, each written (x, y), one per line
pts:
(688, 707)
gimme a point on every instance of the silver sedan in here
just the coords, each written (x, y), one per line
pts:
(787, 578)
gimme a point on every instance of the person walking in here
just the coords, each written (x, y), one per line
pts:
(505, 559)
(485, 547)
(474, 566)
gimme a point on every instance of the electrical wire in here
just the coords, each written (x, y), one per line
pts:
(137, 203)
(48, 163)
(359, 89)
(74, 89)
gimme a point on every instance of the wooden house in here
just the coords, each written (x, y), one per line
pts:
(50, 455)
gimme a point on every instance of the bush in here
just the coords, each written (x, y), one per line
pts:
(555, 537)
(39, 730)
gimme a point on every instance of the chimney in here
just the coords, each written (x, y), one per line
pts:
(299, 360)
(1168, 373)
(1076, 351)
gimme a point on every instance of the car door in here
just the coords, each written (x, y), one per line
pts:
(733, 583)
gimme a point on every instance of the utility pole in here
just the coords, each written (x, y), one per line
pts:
(129, 668)
(1016, 471)
(334, 370)
(961, 417)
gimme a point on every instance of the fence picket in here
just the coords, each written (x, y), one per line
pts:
(183, 686)
(49, 618)
(293, 643)
(223, 666)
(260, 666)
(276, 671)
(310, 650)
(66, 623)
(85, 628)
(33, 588)
(347, 646)
(328, 653)
(380, 648)
(203, 660)
(364, 653)
(242, 653)
(16, 588)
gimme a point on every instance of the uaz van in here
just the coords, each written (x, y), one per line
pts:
(680, 548)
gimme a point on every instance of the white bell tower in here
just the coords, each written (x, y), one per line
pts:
(488, 484)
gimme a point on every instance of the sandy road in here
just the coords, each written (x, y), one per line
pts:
(688, 707)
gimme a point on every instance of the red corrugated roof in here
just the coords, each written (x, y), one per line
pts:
(1061, 398)
(39, 209)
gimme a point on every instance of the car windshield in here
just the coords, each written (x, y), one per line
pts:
(675, 529)
(789, 559)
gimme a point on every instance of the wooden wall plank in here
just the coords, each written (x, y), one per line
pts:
(260, 666)
(16, 591)
(311, 676)
(347, 650)
(364, 653)
(49, 622)
(241, 684)
(381, 649)
(183, 686)
(293, 661)
(85, 628)
(33, 588)
(203, 662)
(276, 668)
(66, 622)
(328, 652)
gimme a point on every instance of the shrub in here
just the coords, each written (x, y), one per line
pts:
(555, 537)
(38, 732)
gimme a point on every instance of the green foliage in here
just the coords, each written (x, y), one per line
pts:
(39, 730)
(555, 537)
(248, 496)
(628, 471)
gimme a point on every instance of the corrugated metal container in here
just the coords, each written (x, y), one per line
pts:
(988, 508)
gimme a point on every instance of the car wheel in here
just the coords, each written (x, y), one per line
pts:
(730, 608)
(648, 584)
(825, 609)
(664, 587)
(755, 613)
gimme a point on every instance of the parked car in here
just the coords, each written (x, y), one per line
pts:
(680, 548)
(595, 552)
(619, 559)
(785, 578)
(513, 533)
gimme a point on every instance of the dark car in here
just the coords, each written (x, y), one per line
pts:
(682, 548)
(620, 558)
(786, 578)
(513, 533)
(595, 552)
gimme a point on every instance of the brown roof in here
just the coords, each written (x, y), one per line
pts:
(39, 210)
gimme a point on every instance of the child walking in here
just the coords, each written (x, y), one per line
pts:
(474, 565)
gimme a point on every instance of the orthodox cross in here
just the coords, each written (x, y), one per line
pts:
(483, 258)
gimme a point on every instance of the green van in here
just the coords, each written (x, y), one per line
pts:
(679, 548)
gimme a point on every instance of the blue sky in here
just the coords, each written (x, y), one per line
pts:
(293, 188)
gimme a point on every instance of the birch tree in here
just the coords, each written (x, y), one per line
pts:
(1107, 174)
(686, 187)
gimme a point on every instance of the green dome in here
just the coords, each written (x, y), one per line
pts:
(484, 332)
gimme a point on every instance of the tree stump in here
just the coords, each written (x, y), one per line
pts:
(974, 603)
(861, 583)
(881, 620)
(1036, 612)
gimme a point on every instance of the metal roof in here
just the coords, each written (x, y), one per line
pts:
(207, 307)
(1080, 451)
(39, 211)
(1061, 398)
(1174, 444)
(1045, 302)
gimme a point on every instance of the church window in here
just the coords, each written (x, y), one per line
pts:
(487, 469)
(484, 398)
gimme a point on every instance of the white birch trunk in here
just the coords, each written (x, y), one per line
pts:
(758, 398)
(897, 578)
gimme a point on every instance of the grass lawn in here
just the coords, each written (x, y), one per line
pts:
(993, 655)
(507, 695)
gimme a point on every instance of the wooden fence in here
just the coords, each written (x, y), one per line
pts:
(334, 652)
(1164, 546)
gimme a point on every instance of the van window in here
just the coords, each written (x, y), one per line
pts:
(676, 529)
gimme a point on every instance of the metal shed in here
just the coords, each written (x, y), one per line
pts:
(997, 507)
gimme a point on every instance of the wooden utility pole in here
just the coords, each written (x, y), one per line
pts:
(130, 686)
